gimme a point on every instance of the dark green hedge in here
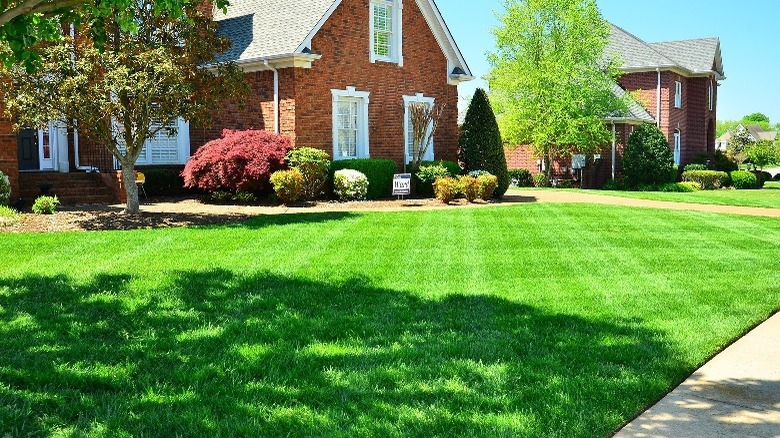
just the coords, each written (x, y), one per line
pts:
(378, 171)
(164, 181)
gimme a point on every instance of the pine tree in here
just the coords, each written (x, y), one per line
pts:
(481, 147)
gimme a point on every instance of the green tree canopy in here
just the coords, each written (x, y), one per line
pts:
(550, 83)
(138, 84)
(756, 118)
(25, 23)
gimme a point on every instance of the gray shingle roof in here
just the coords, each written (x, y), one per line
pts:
(635, 110)
(695, 56)
(263, 28)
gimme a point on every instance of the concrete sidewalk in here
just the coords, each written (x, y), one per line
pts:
(736, 394)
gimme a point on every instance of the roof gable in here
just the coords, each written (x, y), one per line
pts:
(691, 57)
(267, 29)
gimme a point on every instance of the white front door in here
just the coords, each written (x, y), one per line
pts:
(47, 146)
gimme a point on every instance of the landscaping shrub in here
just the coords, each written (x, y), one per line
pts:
(445, 188)
(8, 216)
(240, 161)
(743, 180)
(777, 177)
(244, 198)
(221, 197)
(695, 166)
(647, 158)
(480, 142)
(5, 190)
(707, 179)
(288, 185)
(717, 161)
(521, 178)
(616, 184)
(452, 167)
(680, 187)
(565, 184)
(540, 180)
(762, 177)
(45, 205)
(164, 182)
(426, 175)
(350, 185)
(378, 171)
(487, 185)
(313, 165)
(469, 186)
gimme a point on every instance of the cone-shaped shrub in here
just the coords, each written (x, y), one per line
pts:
(480, 142)
(647, 158)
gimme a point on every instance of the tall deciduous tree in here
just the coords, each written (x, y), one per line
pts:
(136, 86)
(738, 145)
(480, 143)
(550, 83)
(24, 23)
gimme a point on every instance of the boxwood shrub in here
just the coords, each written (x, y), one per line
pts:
(379, 173)
(521, 178)
(707, 179)
(744, 180)
(452, 167)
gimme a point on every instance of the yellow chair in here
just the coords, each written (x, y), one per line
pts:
(140, 180)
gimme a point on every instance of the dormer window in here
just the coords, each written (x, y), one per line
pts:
(386, 31)
(678, 94)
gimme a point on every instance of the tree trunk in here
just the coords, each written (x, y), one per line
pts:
(131, 190)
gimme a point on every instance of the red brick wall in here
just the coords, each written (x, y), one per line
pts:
(9, 163)
(343, 43)
(694, 120)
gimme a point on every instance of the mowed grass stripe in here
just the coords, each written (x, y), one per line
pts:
(535, 320)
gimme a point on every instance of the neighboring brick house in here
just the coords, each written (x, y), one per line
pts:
(332, 74)
(676, 81)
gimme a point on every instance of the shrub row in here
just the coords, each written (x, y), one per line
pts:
(707, 179)
(482, 186)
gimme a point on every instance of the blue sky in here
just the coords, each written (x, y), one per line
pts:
(749, 31)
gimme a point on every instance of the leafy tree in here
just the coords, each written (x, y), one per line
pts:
(128, 92)
(481, 147)
(738, 144)
(647, 158)
(24, 23)
(550, 84)
(425, 120)
(762, 154)
(756, 118)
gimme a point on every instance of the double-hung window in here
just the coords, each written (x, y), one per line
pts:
(385, 38)
(170, 144)
(350, 124)
(677, 146)
(678, 94)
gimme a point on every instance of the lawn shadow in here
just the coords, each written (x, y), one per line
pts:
(214, 353)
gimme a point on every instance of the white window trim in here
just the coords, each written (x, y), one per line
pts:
(677, 147)
(419, 97)
(712, 96)
(363, 137)
(396, 49)
(677, 94)
(182, 143)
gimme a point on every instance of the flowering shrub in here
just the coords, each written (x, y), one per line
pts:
(5, 189)
(288, 185)
(486, 185)
(313, 165)
(469, 186)
(446, 189)
(240, 161)
(350, 185)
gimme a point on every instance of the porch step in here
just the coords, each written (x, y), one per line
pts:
(70, 188)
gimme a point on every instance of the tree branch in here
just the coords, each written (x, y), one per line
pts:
(36, 7)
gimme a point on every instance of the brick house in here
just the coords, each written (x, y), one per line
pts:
(338, 75)
(675, 84)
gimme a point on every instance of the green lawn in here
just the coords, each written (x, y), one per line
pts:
(532, 320)
(769, 197)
